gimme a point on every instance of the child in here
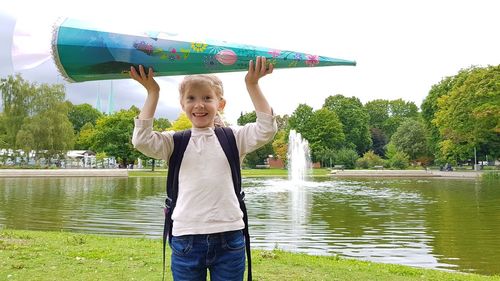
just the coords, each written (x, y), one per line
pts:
(207, 220)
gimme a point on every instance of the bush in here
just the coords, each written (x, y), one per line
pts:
(369, 160)
(399, 160)
(346, 157)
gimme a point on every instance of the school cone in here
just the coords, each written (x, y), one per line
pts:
(82, 52)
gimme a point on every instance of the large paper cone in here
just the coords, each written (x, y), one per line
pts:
(84, 53)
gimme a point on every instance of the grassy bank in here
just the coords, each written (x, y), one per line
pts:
(33, 255)
(244, 173)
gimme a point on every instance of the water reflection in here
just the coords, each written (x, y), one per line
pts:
(447, 224)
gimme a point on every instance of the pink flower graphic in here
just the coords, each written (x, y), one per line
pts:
(312, 60)
(275, 53)
(144, 47)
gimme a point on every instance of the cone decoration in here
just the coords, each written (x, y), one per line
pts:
(84, 53)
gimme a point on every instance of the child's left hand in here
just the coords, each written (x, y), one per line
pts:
(257, 70)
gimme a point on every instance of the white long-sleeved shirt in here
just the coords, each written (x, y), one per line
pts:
(206, 201)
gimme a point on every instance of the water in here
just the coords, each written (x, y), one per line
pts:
(430, 223)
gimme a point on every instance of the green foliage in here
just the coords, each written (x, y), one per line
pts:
(430, 106)
(246, 118)
(181, 123)
(378, 113)
(346, 157)
(354, 118)
(369, 160)
(17, 95)
(35, 117)
(282, 122)
(391, 150)
(113, 134)
(25, 141)
(468, 115)
(399, 160)
(280, 146)
(321, 128)
(388, 115)
(81, 114)
(161, 124)
(379, 141)
(84, 140)
(300, 118)
(411, 138)
(259, 156)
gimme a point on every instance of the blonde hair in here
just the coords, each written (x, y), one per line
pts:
(208, 80)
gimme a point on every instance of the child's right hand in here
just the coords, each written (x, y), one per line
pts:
(146, 80)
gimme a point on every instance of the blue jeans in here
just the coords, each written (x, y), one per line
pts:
(223, 254)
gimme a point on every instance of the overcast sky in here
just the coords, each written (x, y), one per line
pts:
(401, 48)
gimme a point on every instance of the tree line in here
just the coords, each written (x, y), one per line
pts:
(459, 118)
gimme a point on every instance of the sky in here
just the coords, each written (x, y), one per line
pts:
(402, 48)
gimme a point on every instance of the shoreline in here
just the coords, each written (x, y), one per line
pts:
(408, 173)
(17, 173)
(26, 173)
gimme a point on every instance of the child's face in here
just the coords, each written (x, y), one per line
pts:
(201, 104)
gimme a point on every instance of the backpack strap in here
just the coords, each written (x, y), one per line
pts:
(181, 140)
(228, 144)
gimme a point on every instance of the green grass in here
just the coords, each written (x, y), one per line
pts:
(35, 255)
(491, 175)
(244, 173)
(144, 173)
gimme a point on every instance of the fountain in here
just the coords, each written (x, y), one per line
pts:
(299, 166)
(299, 160)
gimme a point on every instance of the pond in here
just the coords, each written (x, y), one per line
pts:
(445, 224)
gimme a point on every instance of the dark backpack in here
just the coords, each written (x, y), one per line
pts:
(228, 143)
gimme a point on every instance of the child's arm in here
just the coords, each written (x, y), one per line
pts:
(153, 89)
(255, 72)
(254, 135)
(150, 143)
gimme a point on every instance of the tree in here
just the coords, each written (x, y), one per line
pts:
(280, 146)
(26, 142)
(3, 132)
(113, 135)
(430, 107)
(282, 122)
(300, 118)
(81, 114)
(379, 141)
(260, 155)
(468, 116)
(48, 121)
(181, 123)
(52, 130)
(321, 128)
(35, 117)
(246, 118)
(411, 138)
(17, 95)
(399, 110)
(85, 137)
(354, 118)
(161, 124)
(387, 115)
(378, 112)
